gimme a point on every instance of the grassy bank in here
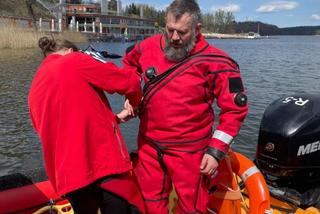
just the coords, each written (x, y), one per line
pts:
(17, 37)
(19, 8)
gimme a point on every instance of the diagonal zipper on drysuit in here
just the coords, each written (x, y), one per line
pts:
(151, 85)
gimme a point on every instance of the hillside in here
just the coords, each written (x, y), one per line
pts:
(267, 29)
(264, 29)
(19, 8)
(302, 30)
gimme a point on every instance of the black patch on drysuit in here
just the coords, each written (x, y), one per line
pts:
(235, 85)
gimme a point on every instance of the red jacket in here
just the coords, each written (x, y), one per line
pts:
(70, 112)
(177, 111)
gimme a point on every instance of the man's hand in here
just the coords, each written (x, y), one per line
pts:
(208, 164)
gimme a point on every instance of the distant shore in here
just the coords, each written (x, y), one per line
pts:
(224, 36)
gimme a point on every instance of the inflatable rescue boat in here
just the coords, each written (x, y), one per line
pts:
(284, 177)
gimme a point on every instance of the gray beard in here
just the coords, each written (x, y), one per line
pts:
(178, 54)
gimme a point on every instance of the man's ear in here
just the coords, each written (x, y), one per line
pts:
(198, 28)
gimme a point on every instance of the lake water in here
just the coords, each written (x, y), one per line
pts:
(271, 68)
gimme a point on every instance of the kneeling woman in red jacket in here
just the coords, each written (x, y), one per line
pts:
(85, 156)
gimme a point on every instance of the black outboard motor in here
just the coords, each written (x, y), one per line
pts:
(288, 151)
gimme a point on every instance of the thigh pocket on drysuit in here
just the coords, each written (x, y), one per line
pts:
(202, 197)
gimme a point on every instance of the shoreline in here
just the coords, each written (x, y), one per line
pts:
(225, 36)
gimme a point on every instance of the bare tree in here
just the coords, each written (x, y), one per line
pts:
(112, 5)
(29, 4)
(220, 22)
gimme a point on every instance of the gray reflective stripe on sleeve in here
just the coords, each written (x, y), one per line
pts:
(224, 137)
(252, 170)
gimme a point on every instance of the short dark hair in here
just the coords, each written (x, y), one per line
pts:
(48, 45)
(180, 7)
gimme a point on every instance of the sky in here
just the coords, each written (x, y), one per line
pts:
(279, 13)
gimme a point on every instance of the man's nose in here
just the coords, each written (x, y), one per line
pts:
(175, 35)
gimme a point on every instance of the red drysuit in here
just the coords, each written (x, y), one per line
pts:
(70, 112)
(177, 119)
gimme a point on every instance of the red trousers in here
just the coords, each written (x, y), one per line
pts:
(157, 169)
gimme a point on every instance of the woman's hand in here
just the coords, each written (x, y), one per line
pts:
(123, 116)
(127, 106)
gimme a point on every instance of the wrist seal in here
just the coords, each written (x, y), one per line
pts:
(217, 154)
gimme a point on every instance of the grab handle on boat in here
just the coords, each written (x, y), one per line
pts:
(58, 209)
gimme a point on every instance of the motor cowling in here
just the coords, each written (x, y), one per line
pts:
(288, 150)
